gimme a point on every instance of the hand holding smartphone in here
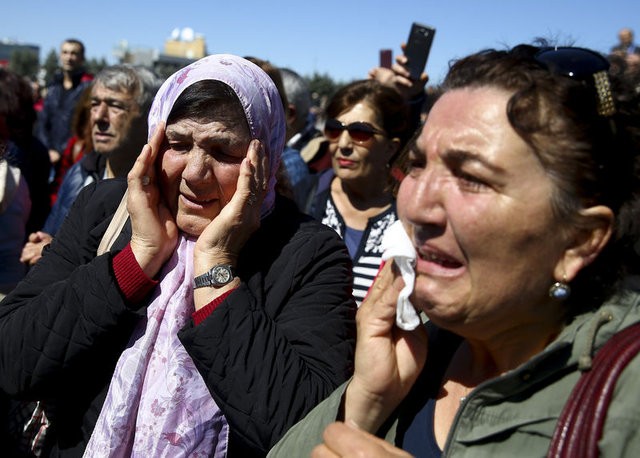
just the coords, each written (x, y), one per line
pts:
(418, 47)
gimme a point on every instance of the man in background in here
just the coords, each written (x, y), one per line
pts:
(300, 126)
(300, 130)
(53, 127)
(121, 97)
(625, 46)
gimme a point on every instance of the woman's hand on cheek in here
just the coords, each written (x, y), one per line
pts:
(227, 233)
(154, 231)
(388, 360)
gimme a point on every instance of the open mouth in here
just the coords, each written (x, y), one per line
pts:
(197, 202)
(439, 259)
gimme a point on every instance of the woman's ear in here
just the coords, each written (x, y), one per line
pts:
(393, 147)
(587, 243)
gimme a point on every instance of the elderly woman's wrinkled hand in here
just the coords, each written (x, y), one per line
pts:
(154, 231)
(227, 233)
(388, 359)
(345, 440)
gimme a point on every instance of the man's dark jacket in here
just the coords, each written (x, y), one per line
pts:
(54, 121)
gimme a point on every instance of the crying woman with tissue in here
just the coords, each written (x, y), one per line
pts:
(511, 275)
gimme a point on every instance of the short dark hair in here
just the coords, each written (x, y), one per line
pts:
(77, 42)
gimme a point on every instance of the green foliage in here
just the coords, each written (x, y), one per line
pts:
(94, 65)
(322, 88)
(25, 63)
(165, 70)
(50, 66)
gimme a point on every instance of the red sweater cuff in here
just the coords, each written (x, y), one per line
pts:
(133, 282)
(199, 315)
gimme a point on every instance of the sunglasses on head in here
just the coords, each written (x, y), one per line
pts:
(581, 64)
(359, 131)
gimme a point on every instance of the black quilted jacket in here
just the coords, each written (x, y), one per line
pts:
(276, 347)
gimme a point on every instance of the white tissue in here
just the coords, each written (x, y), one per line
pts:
(397, 245)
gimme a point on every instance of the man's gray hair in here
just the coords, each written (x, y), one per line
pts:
(297, 90)
(137, 80)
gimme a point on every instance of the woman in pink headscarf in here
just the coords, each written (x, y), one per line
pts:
(219, 316)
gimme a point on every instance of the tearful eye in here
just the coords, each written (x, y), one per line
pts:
(227, 155)
(467, 171)
(470, 182)
(416, 163)
(228, 158)
(179, 146)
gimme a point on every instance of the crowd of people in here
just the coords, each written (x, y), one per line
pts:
(199, 266)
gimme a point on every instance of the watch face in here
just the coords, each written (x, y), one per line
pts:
(221, 275)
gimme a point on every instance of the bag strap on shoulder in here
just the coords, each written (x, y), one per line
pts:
(115, 226)
(582, 420)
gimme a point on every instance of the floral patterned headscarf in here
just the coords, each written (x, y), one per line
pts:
(257, 93)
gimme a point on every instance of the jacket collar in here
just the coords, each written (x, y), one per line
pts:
(95, 163)
(79, 76)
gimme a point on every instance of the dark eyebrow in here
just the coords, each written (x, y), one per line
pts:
(461, 156)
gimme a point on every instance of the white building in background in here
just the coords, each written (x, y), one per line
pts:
(181, 48)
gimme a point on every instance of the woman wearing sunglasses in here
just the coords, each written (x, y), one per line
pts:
(521, 204)
(366, 127)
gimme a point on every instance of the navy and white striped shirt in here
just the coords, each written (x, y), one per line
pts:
(367, 256)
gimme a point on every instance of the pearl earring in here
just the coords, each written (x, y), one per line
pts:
(560, 290)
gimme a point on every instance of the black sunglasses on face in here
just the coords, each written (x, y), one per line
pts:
(581, 64)
(359, 131)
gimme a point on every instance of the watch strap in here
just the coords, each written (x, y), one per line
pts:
(209, 278)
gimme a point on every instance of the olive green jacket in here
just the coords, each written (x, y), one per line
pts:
(515, 414)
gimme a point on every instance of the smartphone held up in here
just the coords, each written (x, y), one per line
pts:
(418, 47)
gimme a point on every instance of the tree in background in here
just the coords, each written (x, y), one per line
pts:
(164, 70)
(25, 63)
(322, 88)
(94, 65)
(51, 65)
